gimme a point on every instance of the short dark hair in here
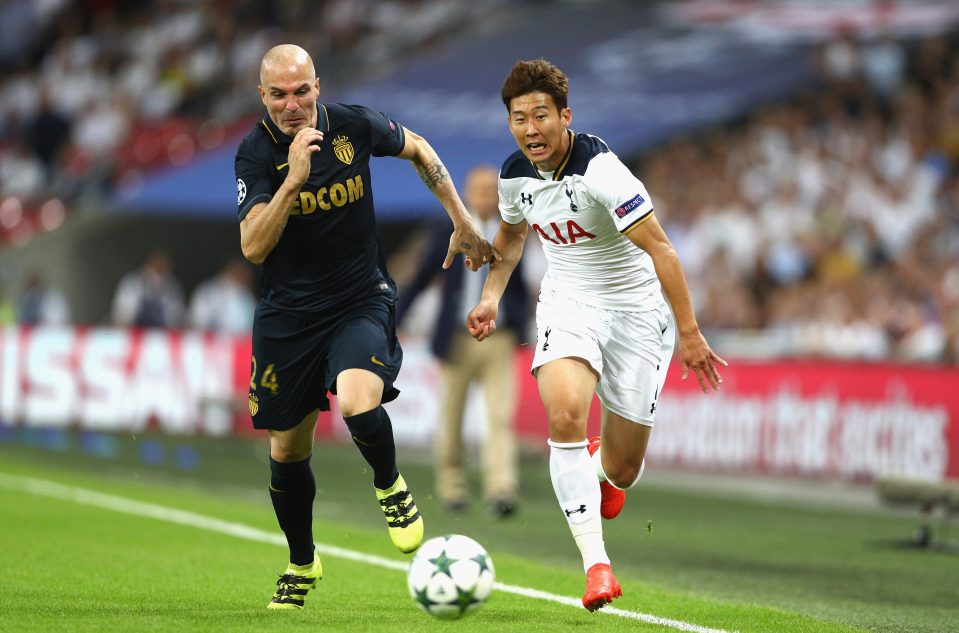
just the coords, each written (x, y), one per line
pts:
(537, 75)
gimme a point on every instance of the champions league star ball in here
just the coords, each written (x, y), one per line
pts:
(450, 576)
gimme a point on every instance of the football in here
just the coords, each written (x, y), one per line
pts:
(450, 576)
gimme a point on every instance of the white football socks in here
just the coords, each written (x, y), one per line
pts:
(598, 464)
(577, 490)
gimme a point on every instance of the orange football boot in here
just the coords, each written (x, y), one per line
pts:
(601, 587)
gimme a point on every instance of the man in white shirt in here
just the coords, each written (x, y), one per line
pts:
(602, 322)
(224, 303)
(149, 297)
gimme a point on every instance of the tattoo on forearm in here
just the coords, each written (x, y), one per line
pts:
(433, 174)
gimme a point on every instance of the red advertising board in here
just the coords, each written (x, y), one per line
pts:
(796, 418)
(808, 418)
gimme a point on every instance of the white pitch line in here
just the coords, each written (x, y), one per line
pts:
(182, 517)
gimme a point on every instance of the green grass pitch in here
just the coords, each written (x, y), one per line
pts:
(95, 544)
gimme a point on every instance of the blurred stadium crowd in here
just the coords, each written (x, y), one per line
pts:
(828, 223)
(94, 92)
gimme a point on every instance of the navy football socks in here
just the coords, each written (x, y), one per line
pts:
(292, 489)
(372, 433)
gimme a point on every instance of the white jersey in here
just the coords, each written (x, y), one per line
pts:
(581, 213)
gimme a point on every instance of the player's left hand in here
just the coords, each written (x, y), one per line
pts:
(696, 355)
(468, 240)
(481, 321)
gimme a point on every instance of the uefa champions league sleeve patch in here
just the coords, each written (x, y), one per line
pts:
(628, 207)
(241, 191)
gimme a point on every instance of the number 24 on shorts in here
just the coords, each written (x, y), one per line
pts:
(267, 380)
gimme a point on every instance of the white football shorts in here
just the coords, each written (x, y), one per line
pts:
(629, 350)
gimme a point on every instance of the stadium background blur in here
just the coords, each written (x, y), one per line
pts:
(801, 155)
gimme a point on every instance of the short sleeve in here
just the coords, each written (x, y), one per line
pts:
(613, 186)
(387, 137)
(508, 210)
(253, 182)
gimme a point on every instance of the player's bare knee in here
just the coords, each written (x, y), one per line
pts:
(358, 391)
(285, 452)
(624, 475)
(566, 425)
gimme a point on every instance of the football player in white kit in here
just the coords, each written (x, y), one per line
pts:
(602, 322)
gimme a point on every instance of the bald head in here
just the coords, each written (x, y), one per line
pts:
(289, 88)
(482, 197)
(286, 58)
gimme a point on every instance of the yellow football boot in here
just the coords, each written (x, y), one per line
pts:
(402, 518)
(295, 583)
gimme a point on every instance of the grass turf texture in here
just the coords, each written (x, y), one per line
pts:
(711, 560)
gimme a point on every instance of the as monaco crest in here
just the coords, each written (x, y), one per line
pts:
(254, 404)
(343, 149)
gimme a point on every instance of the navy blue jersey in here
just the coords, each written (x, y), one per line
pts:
(328, 256)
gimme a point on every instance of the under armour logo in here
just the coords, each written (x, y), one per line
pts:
(546, 339)
(526, 198)
(569, 194)
(581, 509)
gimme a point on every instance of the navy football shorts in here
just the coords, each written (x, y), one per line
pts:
(296, 360)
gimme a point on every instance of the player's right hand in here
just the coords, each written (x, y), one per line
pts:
(468, 240)
(481, 321)
(305, 144)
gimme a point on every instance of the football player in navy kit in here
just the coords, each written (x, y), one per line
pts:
(324, 322)
(603, 325)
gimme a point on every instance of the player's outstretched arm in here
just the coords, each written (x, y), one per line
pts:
(694, 352)
(260, 230)
(481, 321)
(466, 237)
